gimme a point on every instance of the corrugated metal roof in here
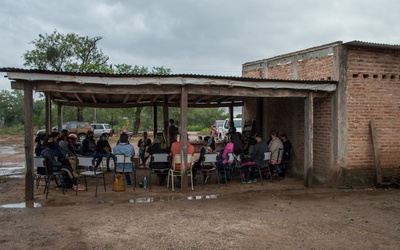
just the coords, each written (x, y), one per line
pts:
(108, 75)
(357, 43)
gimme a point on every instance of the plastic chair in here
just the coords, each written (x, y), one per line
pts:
(177, 172)
(159, 158)
(45, 170)
(234, 164)
(125, 165)
(87, 162)
(264, 168)
(210, 160)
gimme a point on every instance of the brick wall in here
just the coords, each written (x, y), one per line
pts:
(373, 94)
(316, 69)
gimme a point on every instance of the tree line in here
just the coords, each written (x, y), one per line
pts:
(74, 53)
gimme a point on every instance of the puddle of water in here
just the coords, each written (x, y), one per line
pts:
(7, 150)
(6, 171)
(22, 205)
(172, 198)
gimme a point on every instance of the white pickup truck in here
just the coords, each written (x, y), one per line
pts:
(225, 127)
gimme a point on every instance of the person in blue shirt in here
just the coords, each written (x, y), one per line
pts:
(128, 150)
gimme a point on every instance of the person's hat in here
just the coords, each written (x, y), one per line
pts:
(64, 131)
(54, 134)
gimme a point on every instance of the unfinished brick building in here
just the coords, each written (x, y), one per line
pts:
(368, 77)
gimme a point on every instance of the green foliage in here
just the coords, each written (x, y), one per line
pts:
(11, 107)
(5, 179)
(70, 52)
(12, 130)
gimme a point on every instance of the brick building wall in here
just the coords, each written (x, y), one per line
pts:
(369, 89)
(373, 94)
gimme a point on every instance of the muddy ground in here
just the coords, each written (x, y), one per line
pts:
(277, 215)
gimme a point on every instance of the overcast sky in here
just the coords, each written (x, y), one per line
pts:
(211, 37)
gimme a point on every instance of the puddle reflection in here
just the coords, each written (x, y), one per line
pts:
(28, 204)
(173, 198)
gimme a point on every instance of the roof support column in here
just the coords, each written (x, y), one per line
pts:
(308, 139)
(165, 119)
(184, 138)
(59, 117)
(48, 112)
(154, 120)
(28, 127)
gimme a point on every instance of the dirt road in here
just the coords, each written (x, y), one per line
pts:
(277, 215)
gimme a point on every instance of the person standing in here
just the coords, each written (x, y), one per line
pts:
(143, 145)
(173, 131)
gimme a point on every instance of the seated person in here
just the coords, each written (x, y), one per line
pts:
(176, 149)
(59, 163)
(104, 149)
(233, 146)
(274, 145)
(143, 144)
(159, 146)
(128, 150)
(89, 148)
(208, 148)
(287, 148)
(256, 158)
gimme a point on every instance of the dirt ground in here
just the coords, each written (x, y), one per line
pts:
(277, 215)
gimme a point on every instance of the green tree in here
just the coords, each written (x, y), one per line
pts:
(70, 52)
(11, 107)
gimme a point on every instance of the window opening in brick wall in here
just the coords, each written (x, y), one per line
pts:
(355, 75)
(375, 76)
(329, 78)
(384, 76)
(365, 76)
(392, 77)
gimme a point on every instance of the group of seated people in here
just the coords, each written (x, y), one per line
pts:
(62, 151)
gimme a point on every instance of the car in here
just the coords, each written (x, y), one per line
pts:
(219, 124)
(238, 126)
(78, 128)
(100, 128)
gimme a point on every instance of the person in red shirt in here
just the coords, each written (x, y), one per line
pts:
(176, 149)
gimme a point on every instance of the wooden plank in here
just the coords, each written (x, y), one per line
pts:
(377, 158)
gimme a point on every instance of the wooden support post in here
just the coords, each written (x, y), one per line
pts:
(184, 139)
(48, 112)
(377, 157)
(59, 117)
(28, 127)
(154, 120)
(308, 140)
(165, 118)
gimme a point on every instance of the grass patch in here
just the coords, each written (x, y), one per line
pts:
(4, 179)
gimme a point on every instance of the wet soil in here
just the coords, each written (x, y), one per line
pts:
(280, 214)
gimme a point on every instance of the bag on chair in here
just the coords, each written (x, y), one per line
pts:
(119, 184)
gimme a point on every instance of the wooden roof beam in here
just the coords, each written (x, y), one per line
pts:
(139, 98)
(94, 98)
(78, 97)
(126, 98)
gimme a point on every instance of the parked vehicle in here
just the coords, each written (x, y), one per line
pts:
(100, 128)
(220, 125)
(78, 128)
(238, 126)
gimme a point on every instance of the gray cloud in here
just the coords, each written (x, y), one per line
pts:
(199, 37)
